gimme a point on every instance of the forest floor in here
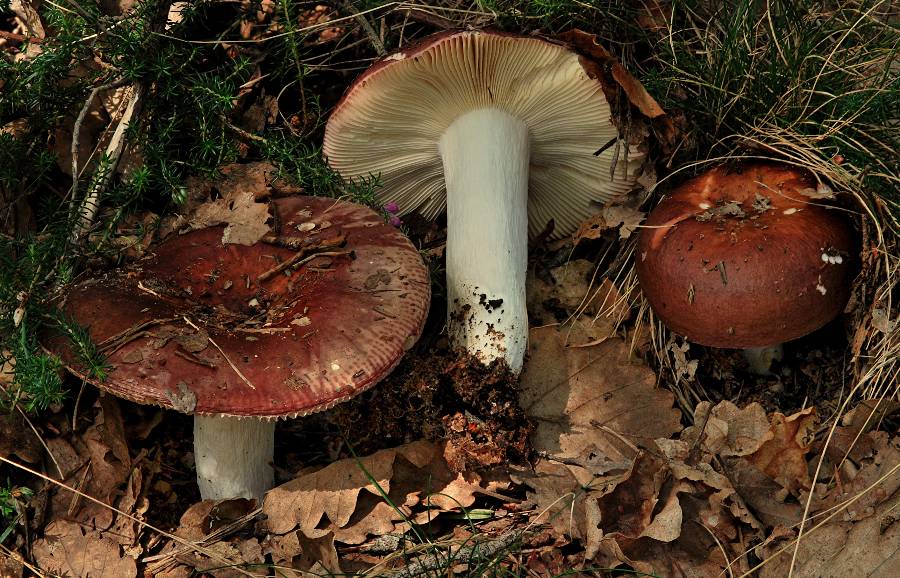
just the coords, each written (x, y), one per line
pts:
(620, 450)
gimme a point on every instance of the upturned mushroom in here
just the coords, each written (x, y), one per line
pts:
(741, 258)
(504, 132)
(240, 336)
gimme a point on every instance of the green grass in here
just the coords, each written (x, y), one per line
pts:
(802, 81)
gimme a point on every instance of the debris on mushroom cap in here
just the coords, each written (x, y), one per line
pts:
(390, 122)
(240, 332)
(739, 258)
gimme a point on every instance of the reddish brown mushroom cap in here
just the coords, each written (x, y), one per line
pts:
(193, 327)
(741, 258)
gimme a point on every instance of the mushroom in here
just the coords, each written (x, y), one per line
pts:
(240, 336)
(740, 258)
(505, 132)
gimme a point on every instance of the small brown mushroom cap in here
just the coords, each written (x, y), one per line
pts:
(194, 327)
(742, 258)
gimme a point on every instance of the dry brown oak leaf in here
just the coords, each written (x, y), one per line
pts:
(346, 498)
(592, 401)
(862, 539)
(69, 550)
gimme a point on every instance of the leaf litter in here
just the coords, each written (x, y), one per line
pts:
(614, 472)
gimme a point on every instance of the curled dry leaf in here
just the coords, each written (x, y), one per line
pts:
(635, 92)
(659, 516)
(626, 218)
(592, 400)
(97, 462)
(783, 457)
(344, 498)
(667, 517)
(863, 539)
(591, 228)
(764, 457)
(727, 430)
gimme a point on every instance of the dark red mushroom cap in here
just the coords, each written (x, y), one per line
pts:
(213, 329)
(742, 258)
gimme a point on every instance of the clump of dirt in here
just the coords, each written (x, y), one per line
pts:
(441, 394)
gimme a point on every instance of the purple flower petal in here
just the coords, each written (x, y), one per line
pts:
(392, 208)
(395, 221)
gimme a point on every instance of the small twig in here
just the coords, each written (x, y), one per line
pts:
(596, 468)
(216, 345)
(377, 44)
(112, 344)
(195, 359)
(76, 129)
(114, 151)
(241, 132)
(19, 37)
(304, 255)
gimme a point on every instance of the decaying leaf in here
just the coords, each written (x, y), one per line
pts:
(862, 539)
(783, 457)
(635, 92)
(592, 400)
(97, 462)
(67, 549)
(245, 219)
(18, 439)
(626, 218)
(765, 457)
(591, 228)
(345, 498)
(727, 430)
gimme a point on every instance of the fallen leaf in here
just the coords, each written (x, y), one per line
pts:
(345, 498)
(592, 400)
(876, 480)
(97, 462)
(822, 191)
(727, 430)
(626, 218)
(67, 549)
(783, 458)
(614, 72)
(245, 219)
(685, 368)
(591, 228)
(863, 539)
(762, 494)
(637, 94)
(11, 567)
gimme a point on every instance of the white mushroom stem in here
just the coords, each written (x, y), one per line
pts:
(761, 358)
(485, 154)
(233, 457)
